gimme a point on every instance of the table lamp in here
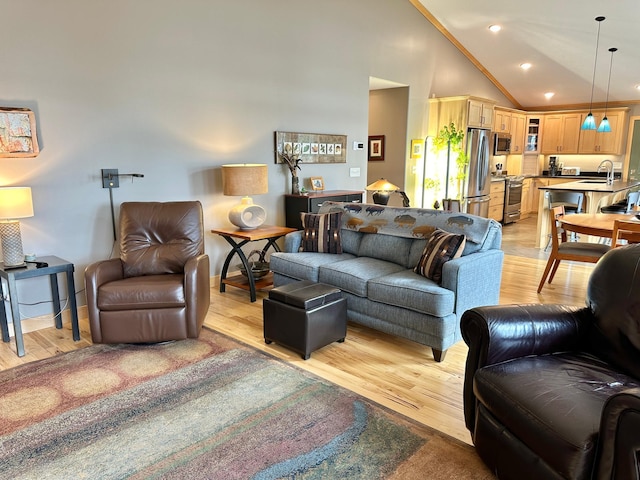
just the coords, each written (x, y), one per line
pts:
(15, 202)
(382, 188)
(246, 179)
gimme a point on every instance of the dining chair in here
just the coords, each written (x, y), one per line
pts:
(571, 201)
(620, 226)
(451, 204)
(562, 249)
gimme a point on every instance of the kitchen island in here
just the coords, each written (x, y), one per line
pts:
(596, 191)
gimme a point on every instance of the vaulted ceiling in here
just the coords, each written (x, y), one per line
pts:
(558, 39)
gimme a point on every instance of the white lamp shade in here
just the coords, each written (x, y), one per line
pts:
(15, 202)
(382, 185)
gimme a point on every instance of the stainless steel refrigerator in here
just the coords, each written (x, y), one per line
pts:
(477, 183)
(440, 177)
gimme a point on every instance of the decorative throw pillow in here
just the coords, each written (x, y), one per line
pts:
(440, 248)
(321, 232)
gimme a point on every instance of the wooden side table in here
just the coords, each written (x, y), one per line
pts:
(54, 266)
(237, 239)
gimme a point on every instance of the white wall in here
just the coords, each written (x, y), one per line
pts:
(173, 89)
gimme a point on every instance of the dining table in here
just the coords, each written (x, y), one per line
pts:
(599, 224)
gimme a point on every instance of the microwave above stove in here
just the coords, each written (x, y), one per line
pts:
(501, 143)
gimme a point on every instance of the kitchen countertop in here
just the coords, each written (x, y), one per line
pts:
(587, 186)
(596, 195)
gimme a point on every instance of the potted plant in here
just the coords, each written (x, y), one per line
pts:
(452, 139)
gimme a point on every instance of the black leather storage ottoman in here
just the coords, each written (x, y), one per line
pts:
(305, 316)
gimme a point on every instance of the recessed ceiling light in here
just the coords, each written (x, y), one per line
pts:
(495, 28)
(525, 66)
(637, 87)
(548, 95)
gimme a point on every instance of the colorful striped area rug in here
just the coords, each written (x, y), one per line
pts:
(210, 408)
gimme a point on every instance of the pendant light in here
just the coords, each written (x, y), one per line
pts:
(604, 125)
(589, 121)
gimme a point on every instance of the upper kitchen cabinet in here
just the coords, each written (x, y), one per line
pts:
(518, 121)
(512, 122)
(480, 114)
(502, 121)
(464, 111)
(592, 141)
(561, 133)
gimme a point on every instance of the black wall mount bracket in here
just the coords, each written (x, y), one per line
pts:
(110, 178)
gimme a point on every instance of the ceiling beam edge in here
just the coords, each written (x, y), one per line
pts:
(427, 14)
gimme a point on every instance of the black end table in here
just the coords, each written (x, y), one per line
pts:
(54, 266)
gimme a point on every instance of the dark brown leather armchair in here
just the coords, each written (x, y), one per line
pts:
(158, 289)
(553, 391)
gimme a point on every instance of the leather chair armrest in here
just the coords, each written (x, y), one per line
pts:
(619, 442)
(95, 275)
(197, 280)
(499, 333)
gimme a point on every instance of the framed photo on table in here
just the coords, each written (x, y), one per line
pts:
(317, 184)
(376, 148)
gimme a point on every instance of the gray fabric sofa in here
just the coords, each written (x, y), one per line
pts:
(381, 246)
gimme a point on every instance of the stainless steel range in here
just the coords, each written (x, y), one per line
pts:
(512, 198)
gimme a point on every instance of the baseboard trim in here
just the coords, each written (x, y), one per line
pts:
(45, 321)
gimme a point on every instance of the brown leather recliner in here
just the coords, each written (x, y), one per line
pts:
(158, 290)
(553, 391)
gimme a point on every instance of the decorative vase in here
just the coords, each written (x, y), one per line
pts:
(295, 185)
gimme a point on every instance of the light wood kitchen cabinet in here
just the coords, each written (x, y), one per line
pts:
(496, 202)
(560, 133)
(501, 121)
(480, 114)
(518, 121)
(526, 204)
(592, 141)
(463, 111)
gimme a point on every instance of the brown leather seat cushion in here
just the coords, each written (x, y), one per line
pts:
(552, 403)
(149, 291)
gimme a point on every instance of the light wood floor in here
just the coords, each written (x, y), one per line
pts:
(397, 373)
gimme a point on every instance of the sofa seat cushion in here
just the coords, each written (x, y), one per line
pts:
(411, 290)
(553, 403)
(304, 265)
(146, 292)
(353, 275)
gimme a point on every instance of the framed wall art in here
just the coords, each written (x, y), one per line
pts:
(311, 147)
(417, 148)
(18, 133)
(376, 148)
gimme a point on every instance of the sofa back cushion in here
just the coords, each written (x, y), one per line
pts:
(417, 224)
(386, 247)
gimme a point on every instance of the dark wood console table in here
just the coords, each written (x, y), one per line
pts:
(311, 202)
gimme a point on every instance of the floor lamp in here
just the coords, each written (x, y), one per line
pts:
(15, 202)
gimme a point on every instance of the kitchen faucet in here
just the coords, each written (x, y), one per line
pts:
(608, 164)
